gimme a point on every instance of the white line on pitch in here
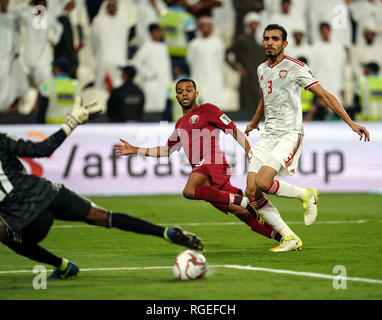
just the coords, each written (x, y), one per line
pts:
(302, 273)
(229, 266)
(226, 223)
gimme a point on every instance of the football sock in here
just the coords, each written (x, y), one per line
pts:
(127, 222)
(270, 214)
(264, 229)
(34, 252)
(286, 190)
(168, 233)
(211, 194)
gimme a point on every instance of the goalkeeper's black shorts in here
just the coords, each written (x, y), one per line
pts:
(67, 205)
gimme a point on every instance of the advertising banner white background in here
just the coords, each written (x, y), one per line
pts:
(333, 159)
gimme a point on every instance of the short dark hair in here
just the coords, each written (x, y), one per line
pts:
(277, 27)
(373, 66)
(153, 26)
(186, 80)
(63, 64)
(130, 71)
(324, 25)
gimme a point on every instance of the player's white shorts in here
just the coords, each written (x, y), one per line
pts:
(278, 152)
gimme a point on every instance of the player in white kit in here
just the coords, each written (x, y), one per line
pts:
(278, 150)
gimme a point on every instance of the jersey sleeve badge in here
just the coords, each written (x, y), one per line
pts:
(225, 119)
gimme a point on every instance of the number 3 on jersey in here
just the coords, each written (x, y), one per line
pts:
(269, 86)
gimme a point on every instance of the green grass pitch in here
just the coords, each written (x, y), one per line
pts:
(347, 233)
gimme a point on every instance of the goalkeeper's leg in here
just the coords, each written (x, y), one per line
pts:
(25, 243)
(72, 207)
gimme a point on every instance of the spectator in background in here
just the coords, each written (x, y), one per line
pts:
(93, 7)
(334, 12)
(153, 64)
(285, 17)
(299, 8)
(179, 29)
(126, 102)
(109, 36)
(363, 53)
(201, 8)
(299, 46)
(42, 32)
(368, 99)
(242, 8)
(318, 111)
(205, 56)
(365, 13)
(13, 81)
(58, 94)
(329, 63)
(65, 47)
(244, 56)
(148, 12)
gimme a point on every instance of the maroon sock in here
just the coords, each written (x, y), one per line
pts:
(264, 229)
(210, 194)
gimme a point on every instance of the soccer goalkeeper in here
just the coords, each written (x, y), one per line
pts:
(29, 204)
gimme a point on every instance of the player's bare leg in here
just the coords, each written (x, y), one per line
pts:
(239, 212)
(257, 183)
(194, 180)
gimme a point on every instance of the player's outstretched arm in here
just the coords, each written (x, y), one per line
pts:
(259, 115)
(332, 102)
(126, 149)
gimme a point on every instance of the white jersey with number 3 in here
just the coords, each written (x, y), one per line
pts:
(281, 86)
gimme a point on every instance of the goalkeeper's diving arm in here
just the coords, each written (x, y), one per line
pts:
(26, 148)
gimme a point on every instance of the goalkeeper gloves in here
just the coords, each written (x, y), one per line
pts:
(80, 114)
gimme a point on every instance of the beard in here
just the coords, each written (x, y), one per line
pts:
(273, 55)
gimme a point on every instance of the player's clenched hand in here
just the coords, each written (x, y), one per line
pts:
(124, 149)
(250, 127)
(362, 131)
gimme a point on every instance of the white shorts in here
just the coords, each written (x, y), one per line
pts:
(278, 152)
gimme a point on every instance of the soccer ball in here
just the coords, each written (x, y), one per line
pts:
(189, 265)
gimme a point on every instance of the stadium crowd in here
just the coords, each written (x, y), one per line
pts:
(128, 54)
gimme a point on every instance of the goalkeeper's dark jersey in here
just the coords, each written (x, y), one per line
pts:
(24, 197)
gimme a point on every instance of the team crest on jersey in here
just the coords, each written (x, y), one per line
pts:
(283, 74)
(194, 119)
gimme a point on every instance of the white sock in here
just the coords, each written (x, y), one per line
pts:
(244, 202)
(282, 189)
(271, 215)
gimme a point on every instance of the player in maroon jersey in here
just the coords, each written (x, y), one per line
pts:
(198, 133)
